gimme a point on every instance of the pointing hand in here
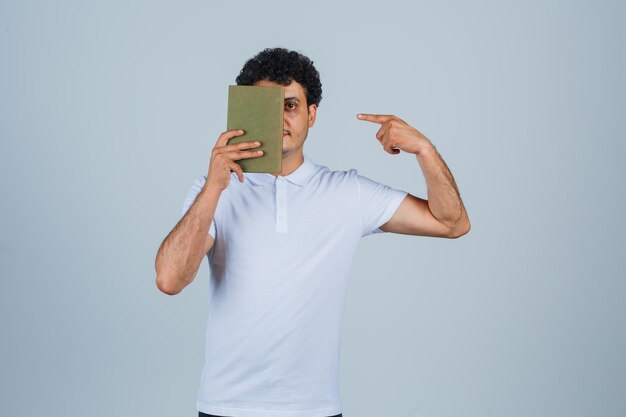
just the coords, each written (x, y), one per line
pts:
(396, 135)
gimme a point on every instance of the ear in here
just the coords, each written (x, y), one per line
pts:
(312, 114)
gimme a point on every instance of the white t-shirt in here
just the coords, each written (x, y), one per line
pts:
(279, 269)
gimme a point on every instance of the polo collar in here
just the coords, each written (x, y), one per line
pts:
(299, 177)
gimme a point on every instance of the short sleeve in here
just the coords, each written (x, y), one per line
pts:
(377, 203)
(191, 197)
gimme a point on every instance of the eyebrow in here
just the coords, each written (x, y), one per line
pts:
(292, 98)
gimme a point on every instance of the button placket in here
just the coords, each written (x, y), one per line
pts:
(281, 205)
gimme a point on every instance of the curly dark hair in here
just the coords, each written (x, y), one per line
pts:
(282, 66)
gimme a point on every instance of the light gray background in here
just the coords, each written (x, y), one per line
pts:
(109, 111)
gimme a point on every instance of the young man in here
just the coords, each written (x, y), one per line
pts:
(280, 247)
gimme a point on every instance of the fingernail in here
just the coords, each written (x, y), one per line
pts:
(359, 116)
(257, 143)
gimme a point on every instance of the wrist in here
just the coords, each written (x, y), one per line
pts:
(211, 191)
(426, 150)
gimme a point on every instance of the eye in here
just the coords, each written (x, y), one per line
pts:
(290, 105)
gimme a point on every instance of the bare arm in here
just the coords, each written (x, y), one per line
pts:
(182, 251)
(444, 199)
(443, 214)
(180, 254)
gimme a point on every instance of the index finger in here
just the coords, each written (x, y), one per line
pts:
(376, 118)
(228, 135)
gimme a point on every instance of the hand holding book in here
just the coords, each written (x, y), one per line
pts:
(223, 159)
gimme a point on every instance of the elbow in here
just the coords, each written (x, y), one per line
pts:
(459, 229)
(167, 286)
(167, 280)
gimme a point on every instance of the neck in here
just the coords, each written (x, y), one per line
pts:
(290, 162)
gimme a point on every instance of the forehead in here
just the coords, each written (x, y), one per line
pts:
(292, 90)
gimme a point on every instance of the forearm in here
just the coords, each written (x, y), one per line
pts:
(444, 199)
(181, 252)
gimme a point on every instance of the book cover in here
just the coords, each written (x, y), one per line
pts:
(259, 112)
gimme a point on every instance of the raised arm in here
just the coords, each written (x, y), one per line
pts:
(182, 251)
(443, 214)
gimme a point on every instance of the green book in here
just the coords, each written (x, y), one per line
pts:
(259, 112)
